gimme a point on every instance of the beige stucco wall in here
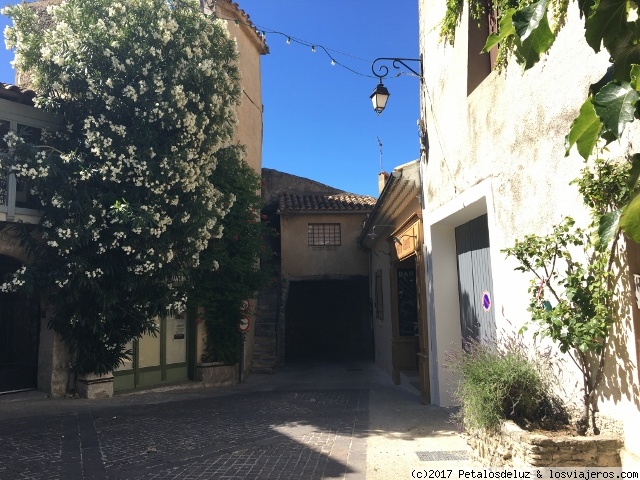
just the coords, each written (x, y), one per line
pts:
(500, 151)
(249, 128)
(250, 48)
(302, 260)
(381, 257)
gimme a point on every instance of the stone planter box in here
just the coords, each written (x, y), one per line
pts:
(217, 373)
(94, 386)
(517, 448)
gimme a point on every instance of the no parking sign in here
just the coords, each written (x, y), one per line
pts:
(486, 301)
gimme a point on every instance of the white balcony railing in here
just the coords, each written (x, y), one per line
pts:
(16, 202)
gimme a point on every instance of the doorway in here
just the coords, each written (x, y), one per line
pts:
(475, 281)
(19, 335)
(156, 359)
(328, 320)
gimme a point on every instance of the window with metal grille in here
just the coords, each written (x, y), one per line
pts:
(379, 296)
(323, 234)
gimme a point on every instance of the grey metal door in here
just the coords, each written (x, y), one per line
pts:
(475, 282)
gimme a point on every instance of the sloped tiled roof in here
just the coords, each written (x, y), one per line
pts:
(16, 94)
(244, 17)
(315, 203)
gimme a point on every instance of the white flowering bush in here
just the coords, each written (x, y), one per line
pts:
(147, 90)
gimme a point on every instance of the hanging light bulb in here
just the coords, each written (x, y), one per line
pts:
(333, 62)
(288, 40)
(313, 48)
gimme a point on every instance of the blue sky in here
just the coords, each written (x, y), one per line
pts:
(318, 119)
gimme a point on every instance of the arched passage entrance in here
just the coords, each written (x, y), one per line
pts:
(19, 335)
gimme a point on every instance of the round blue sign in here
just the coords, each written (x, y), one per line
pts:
(486, 301)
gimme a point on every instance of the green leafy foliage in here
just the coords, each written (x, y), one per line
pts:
(499, 382)
(615, 105)
(585, 130)
(230, 273)
(505, 30)
(129, 187)
(611, 106)
(534, 34)
(572, 299)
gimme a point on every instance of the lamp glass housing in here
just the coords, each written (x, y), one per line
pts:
(379, 98)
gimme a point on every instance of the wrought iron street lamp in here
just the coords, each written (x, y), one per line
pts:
(379, 98)
(380, 95)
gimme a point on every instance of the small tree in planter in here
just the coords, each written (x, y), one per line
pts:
(582, 290)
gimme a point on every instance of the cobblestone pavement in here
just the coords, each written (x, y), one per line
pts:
(257, 435)
(308, 426)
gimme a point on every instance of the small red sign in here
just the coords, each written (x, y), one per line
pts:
(244, 325)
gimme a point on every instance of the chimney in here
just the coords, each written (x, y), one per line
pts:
(382, 180)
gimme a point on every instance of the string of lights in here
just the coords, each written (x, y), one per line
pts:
(289, 39)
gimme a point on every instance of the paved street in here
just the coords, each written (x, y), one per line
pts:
(304, 422)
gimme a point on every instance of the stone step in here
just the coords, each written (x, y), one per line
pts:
(265, 343)
(265, 330)
(263, 369)
(264, 357)
(267, 319)
(264, 350)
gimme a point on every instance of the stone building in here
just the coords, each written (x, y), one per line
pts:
(323, 307)
(32, 355)
(495, 171)
(392, 235)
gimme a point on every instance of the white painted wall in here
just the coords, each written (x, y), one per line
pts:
(500, 151)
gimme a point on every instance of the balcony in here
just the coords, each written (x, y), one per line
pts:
(16, 202)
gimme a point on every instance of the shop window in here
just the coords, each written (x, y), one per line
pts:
(323, 234)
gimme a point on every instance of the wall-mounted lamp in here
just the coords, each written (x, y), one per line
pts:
(397, 240)
(373, 233)
(380, 95)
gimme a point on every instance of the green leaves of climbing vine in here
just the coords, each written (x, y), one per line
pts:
(532, 26)
(585, 130)
(604, 22)
(530, 29)
(608, 25)
(607, 113)
(615, 104)
(526, 30)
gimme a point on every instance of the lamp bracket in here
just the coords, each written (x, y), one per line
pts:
(382, 71)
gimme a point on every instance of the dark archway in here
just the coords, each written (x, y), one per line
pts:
(19, 335)
(328, 320)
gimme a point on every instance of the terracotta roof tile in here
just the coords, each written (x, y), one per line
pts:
(246, 19)
(16, 94)
(342, 202)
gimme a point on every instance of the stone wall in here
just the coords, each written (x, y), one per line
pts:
(514, 447)
(216, 374)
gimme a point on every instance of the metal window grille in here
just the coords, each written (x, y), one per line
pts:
(379, 297)
(323, 234)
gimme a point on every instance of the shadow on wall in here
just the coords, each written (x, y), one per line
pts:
(470, 327)
(620, 377)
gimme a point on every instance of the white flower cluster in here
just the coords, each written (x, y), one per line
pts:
(16, 281)
(153, 88)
